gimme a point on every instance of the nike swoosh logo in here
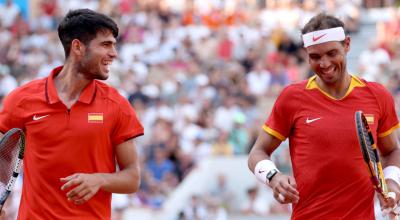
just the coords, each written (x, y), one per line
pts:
(36, 118)
(308, 121)
(261, 171)
(317, 38)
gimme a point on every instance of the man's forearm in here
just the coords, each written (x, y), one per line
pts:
(123, 181)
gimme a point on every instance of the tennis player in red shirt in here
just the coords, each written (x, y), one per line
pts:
(317, 116)
(77, 128)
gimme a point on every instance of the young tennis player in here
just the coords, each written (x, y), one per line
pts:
(77, 128)
(317, 116)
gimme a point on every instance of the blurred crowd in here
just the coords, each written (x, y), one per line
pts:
(201, 74)
(381, 60)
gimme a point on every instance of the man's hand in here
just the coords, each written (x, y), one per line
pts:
(284, 188)
(388, 204)
(82, 186)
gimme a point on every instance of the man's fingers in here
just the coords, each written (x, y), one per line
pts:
(292, 182)
(289, 191)
(66, 179)
(284, 195)
(279, 197)
(84, 199)
(70, 183)
(78, 191)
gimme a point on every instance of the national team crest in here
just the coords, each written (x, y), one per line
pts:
(370, 118)
(95, 118)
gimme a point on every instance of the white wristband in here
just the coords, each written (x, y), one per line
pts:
(393, 173)
(262, 168)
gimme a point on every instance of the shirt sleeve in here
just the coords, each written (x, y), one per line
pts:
(279, 122)
(127, 124)
(388, 120)
(10, 114)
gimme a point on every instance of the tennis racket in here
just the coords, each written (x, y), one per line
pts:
(371, 157)
(12, 147)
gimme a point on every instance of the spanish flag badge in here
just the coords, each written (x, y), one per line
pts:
(95, 118)
(370, 118)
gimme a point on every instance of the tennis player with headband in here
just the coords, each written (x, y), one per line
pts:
(317, 116)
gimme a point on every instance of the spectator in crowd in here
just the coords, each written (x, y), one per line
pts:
(255, 205)
(374, 63)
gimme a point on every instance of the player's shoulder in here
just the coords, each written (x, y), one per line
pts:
(295, 89)
(110, 93)
(113, 97)
(28, 90)
(376, 88)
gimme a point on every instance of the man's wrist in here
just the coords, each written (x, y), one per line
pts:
(393, 173)
(271, 175)
(264, 171)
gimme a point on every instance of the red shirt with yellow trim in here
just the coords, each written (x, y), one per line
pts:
(61, 142)
(331, 176)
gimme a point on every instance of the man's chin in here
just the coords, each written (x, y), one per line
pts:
(103, 76)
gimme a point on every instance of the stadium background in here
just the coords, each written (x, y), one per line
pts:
(202, 76)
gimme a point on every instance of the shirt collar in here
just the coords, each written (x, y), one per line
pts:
(355, 82)
(86, 96)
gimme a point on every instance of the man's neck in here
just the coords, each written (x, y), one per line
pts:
(69, 84)
(337, 90)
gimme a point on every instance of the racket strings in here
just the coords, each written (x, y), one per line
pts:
(369, 142)
(9, 150)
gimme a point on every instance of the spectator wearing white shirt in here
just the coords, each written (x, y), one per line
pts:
(259, 79)
(7, 82)
(373, 62)
(8, 13)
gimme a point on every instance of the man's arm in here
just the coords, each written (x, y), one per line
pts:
(85, 186)
(389, 149)
(262, 149)
(284, 186)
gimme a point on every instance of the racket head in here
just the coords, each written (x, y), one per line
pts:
(370, 153)
(12, 148)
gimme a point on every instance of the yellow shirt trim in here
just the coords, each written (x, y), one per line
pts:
(273, 133)
(386, 133)
(355, 82)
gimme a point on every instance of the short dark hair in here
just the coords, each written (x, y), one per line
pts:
(320, 22)
(83, 24)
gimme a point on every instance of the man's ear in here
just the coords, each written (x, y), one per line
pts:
(77, 48)
(347, 41)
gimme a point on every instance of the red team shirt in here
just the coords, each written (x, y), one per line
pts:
(331, 176)
(61, 142)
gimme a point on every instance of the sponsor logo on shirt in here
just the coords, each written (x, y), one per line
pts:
(311, 120)
(37, 118)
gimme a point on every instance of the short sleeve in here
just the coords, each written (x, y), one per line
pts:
(10, 114)
(388, 120)
(127, 125)
(279, 122)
